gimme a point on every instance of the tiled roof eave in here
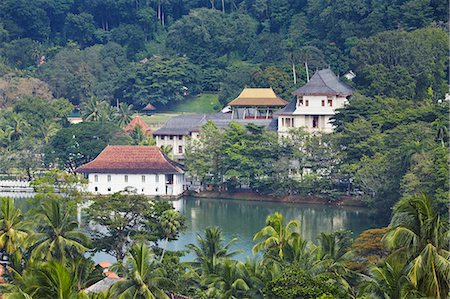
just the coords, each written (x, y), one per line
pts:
(300, 93)
(129, 171)
(258, 105)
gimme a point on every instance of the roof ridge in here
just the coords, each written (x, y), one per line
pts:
(324, 82)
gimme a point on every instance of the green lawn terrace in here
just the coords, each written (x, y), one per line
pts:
(202, 103)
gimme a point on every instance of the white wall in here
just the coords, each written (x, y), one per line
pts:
(303, 115)
(150, 187)
(315, 105)
(175, 142)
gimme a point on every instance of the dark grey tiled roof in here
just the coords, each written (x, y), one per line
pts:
(288, 109)
(186, 123)
(324, 82)
(182, 124)
(102, 285)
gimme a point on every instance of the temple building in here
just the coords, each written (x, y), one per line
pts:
(314, 104)
(256, 103)
(137, 169)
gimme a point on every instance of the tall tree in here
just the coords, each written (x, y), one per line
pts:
(145, 278)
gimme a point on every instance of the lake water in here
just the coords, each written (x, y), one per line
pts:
(242, 219)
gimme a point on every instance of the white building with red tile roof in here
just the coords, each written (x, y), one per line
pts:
(140, 169)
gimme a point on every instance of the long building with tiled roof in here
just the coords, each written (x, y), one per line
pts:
(178, 130)
(141, 169)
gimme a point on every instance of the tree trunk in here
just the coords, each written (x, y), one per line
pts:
(30, 177)
(294, 73)
(164, 249)
(223, 6)
(307, 72)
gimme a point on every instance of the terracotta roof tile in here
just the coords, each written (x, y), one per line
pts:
(149, 107)
(137, 121)
(105, 264)
(131, 160)
(110, 274)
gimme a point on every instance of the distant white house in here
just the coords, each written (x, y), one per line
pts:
(140, 169)
(314, 104)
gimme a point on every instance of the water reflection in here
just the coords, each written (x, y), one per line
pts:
(242, 219)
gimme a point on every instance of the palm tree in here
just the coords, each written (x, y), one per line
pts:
(144, 278)
(229, 282)
(47, 129)
(16, 127)
(57, 237)
(333, 253)
(123, 114)
(13, 227)
(95, 110)
(276, 236)
(211, 250)
(171, 222)
(419, 239)
(44, 280)
(387, 280)
(441, 127)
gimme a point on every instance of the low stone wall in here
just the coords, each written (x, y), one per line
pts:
(248, 195)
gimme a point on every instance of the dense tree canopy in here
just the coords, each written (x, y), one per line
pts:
(83, 48)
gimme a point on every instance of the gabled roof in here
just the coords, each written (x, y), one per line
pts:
(131, 160)
(149, 107)
(258, 97)
(324, 82)
(137, 121)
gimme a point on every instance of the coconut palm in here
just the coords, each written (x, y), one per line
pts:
(171, 222)
(419, 238)
(16, 127)
(276, 236)
(123, 114)
(145, 277)
(229, 282)
(211, 250)
(58, 236)
(49, 280)
(333, 253)
(47, 129)
(96, 110)
(13, 227)
(386, 281)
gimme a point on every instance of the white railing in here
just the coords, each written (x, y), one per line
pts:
(15, 186)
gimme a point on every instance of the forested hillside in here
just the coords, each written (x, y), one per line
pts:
(150, 51)
(389, 141)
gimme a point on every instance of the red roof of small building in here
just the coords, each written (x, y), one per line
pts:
(137, 121)
(149, 107)
(131, 159)
(110, 274)
(105, 264)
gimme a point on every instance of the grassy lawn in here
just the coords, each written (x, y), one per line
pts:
(203, 103)
(157, 120)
